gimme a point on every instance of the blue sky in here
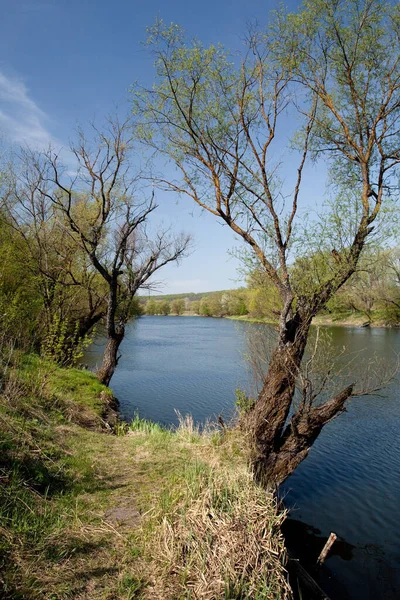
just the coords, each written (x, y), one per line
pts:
(66, 62)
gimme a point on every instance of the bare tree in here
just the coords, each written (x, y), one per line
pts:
(219, 123)
(104, 210)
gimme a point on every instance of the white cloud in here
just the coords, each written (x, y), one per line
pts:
(21, 120)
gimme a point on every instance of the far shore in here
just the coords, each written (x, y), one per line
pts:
(356, 320)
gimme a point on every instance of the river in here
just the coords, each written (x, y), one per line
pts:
(350, 482)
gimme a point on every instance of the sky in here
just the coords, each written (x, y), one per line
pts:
(64, 63)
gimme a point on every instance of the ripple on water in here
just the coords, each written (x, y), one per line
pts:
(350, 483)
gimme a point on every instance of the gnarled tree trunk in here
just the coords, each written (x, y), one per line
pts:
(110, 358)
(278, 446)
(87, 322)
(115, 335)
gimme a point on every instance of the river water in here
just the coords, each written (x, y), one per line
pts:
(350, 482)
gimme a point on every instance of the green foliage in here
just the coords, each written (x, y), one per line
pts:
(163, 308)
(243, 402)
(210, 306)
(373, 292)
(194, 307)
(20, 299)
(312, 271)
(62, 344)
(157, 307)
(135, 308)
(31, 302)
(151, 307)
(177, 306)
(262, 297)
(234, 303)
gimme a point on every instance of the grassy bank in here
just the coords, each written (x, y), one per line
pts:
(377, 318)
(141, 512)
(248, 319)
(344, 319)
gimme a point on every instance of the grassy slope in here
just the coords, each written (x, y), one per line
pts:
(148, 513)
(378, 318)
(343, 319)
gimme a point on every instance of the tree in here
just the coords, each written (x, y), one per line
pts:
(151, 307)
(178, 306)
(163, 308)
(363, 290)
(263, 299)
(374, 289)
(111, 230)
(219, 123)
(389, 290)
(71, 292)
(210, 306)
(234, 302)
(20, 299)
(204, 309)
(194, 307)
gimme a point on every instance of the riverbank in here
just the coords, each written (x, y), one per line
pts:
(129, 511)
(199, 364)
(332, 320)
(347, 319)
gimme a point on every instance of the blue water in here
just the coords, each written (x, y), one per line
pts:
(190, 364)
(349, 484)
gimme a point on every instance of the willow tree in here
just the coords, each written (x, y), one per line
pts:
(333, 69)
(105, 210)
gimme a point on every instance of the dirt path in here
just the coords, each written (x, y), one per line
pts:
(102, 553)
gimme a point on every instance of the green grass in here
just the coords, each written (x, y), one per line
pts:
(349, 318)
(76, 385)
(147, 427)
(379, 318)
(248, 319)
(150, 513)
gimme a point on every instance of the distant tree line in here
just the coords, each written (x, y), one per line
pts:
(373, 294)
(211, 304)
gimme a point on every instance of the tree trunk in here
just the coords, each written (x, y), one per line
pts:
(277, 447)
(87, 323)
(110, 358)
(115, 335)
(268, 418)
(300, 434)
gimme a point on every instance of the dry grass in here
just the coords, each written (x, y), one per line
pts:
(151, 513)
(218, 533)
(224, 543)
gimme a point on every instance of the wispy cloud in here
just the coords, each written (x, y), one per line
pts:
(21, 119)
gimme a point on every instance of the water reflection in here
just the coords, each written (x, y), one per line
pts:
(307, 542)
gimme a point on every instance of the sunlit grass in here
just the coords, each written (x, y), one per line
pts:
(198, 526)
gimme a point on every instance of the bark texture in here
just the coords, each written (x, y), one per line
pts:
(115, 335)
(110, 358)
(278, 444)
